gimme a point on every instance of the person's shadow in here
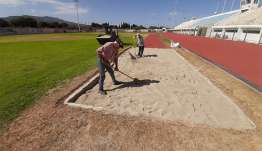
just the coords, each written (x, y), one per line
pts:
(135, 83)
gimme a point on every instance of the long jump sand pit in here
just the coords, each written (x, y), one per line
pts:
(169, 88)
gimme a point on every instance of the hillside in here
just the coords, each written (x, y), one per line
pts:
(40, 19)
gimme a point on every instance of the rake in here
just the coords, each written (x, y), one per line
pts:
(134, 79)
(132, 56)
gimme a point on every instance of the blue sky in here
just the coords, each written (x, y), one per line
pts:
(146, 12)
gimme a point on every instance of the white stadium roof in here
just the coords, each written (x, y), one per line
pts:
(206, 21)
(251, 17)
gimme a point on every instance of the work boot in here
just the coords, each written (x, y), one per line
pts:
(102, 92)
(117, 82)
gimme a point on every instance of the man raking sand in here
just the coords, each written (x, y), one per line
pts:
(106, 55)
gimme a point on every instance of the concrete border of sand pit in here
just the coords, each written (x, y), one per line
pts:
(70, 100)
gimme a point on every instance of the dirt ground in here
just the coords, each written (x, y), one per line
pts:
(50, 125)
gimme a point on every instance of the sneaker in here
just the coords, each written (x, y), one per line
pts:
(102, 92)
(118, 83)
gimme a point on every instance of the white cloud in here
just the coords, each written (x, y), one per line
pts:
(33, 11)
(11, 2)
(173, 13)
(68, 8)
(61, 8)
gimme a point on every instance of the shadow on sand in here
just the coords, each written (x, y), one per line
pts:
(136, 83)
(149, 56)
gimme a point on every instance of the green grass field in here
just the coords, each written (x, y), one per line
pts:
(30, 65)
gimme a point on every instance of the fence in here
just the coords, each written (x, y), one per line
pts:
(29, 30)
(185, 31)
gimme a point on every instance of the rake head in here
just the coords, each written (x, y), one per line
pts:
(132, 56)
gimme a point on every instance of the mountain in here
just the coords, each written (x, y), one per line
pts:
(41, 19)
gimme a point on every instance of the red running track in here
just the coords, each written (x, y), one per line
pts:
(153, 41)
(242, 59)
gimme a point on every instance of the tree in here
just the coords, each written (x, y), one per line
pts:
(96, 25)
(125, 25)
(24, 22)
(153, 27)
(4, 23)
(44, 24)
(137, 27)
(55, 25)
(107, 28)
(141, 27)
(113, 26)
(134, 26)
(105, 25)
(64, 25)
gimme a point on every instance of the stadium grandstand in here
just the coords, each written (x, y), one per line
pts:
(244, 24)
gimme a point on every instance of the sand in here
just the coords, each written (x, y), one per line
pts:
(251, 17)
(170, 89)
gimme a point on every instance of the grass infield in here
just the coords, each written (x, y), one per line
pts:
(30, 65)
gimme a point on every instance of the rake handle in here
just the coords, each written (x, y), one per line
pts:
(126, 75)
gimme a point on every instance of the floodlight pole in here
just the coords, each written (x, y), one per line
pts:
(218, 6)
(233, 3)
(225, 2)
(77, 14)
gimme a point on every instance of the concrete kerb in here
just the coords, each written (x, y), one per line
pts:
(70, 100)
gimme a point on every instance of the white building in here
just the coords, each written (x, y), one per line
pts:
(249, 4)
(247, 33)
(196, 26)
(244, 24)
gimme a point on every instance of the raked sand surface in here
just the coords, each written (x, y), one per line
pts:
(170, 89)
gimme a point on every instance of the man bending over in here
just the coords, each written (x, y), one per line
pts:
(106, 55)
